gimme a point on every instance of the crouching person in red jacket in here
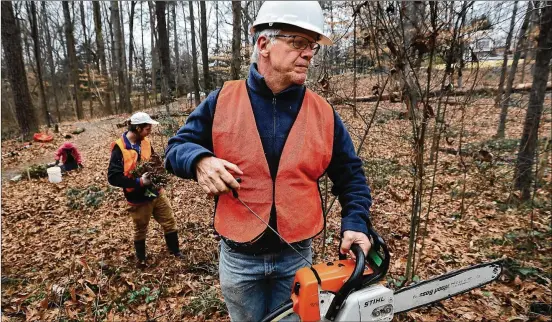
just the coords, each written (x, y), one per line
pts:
(69, 155)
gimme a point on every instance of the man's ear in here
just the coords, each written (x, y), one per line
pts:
(262, 44)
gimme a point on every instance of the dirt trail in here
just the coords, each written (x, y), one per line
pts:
(96, 130)
(34, 155)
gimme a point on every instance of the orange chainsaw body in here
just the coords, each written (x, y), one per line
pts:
(305, 286)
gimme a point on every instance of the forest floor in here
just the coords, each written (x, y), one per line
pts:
(67, 250)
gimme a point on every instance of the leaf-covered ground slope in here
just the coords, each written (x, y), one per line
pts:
(67, 249)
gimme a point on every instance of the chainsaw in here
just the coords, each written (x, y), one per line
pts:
(348, 289)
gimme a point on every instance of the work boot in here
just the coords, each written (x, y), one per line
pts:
(140, 247)
(172, 244)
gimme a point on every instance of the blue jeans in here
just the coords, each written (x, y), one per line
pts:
(68, 166)
(254, 285)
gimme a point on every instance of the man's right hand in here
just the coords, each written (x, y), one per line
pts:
(213, 176)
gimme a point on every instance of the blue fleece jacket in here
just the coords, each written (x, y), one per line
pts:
(275, 115)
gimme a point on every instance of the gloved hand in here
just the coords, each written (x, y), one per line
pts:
(146, 180)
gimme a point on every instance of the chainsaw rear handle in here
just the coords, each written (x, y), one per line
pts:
(378, 258)
(378, 261)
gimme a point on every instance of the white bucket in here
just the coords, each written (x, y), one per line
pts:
(54, 174)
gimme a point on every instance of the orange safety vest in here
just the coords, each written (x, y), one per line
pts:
(295, 193)
(130, 156)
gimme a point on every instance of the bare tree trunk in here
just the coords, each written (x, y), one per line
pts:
(185, 30)
(61, 34)
(168, 20)
(355, 12)
(73, 63)
(519, 47)
(332, 29)
(194, 55)
(498, 99)
(526, 55)
(36, 41)
(108, 109)
(49, 50)
(119, 61)
(188, 65)
(236, 40)
(110, 55)
(164, 52)
(523, 173)
(123, 44)
(179, 82)
(88, 60)
(25, 33)
(131, 47)
(204, 48)
(412, 97)
(461, 55)
(217, 48)
(246, 21)
(145, 90)
(113, 63)
(530, 54)
(154, 51)
(11, 43)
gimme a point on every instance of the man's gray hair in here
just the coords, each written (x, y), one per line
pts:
(268, 33)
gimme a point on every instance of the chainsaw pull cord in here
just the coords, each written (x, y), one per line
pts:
(235, 194)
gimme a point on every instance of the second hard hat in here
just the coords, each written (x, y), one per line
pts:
(142, 118)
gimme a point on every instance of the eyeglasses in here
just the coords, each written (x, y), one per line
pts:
(301, 43)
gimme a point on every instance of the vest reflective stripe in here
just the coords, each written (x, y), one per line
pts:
(305, 157)
(130, 156)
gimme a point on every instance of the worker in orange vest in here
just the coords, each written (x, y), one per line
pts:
(145, 201)
(278, 137)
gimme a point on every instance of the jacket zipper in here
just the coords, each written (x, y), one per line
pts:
(274, 149)
(274, 122)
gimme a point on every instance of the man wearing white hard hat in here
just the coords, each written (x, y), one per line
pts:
(279, 138)
(144, 200)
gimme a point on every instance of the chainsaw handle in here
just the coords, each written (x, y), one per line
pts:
(378, 256)
(378, 260)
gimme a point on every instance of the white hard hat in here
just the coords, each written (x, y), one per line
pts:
(307, 15)
(142, 118)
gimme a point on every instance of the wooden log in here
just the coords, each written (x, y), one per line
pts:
(478, 91)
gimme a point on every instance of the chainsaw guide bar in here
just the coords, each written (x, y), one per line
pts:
(446, 286)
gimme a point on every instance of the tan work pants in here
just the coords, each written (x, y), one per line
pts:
(161, 211)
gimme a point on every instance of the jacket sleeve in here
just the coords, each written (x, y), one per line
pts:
(77, 155)
(349, 183)
(57, 154)
(193, 141)
(115, 172)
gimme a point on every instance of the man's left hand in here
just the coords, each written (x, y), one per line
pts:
(354, 237)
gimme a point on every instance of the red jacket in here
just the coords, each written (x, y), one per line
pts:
(61, 153)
